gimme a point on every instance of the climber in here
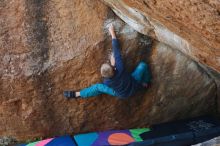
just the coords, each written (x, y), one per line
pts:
(117, 82)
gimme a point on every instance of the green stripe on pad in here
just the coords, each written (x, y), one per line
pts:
(136, 133)
(33, 143)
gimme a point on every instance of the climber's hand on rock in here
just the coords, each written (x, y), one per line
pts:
(111, 28)
(112, 31)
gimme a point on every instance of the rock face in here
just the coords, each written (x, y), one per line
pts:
(192, 26)
(50, 46)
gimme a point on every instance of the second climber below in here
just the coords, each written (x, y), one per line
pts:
(117, 81)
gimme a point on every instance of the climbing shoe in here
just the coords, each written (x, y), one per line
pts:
(69, 94)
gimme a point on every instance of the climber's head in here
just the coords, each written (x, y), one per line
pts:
(107, 70)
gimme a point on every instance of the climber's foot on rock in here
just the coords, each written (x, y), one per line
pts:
(69, 94)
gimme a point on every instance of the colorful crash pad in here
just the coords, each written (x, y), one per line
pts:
(62, 141)
(137, 132)
(86, 139)
(33, 143)
(44, 142)
(112, 137)
(38, 143)
(183, 139)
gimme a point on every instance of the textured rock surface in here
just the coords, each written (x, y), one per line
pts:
(191, 26)
(49, 46)
(7, 141)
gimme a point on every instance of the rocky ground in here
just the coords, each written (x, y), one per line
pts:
(7, 141)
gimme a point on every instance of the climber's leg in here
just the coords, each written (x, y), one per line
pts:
(95, 90)
(142, 73)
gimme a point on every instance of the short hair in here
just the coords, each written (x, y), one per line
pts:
(107, 70)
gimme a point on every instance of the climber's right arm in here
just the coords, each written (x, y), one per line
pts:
(117, 55)
(116, 50)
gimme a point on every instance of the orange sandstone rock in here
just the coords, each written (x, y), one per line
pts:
(47, 47)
